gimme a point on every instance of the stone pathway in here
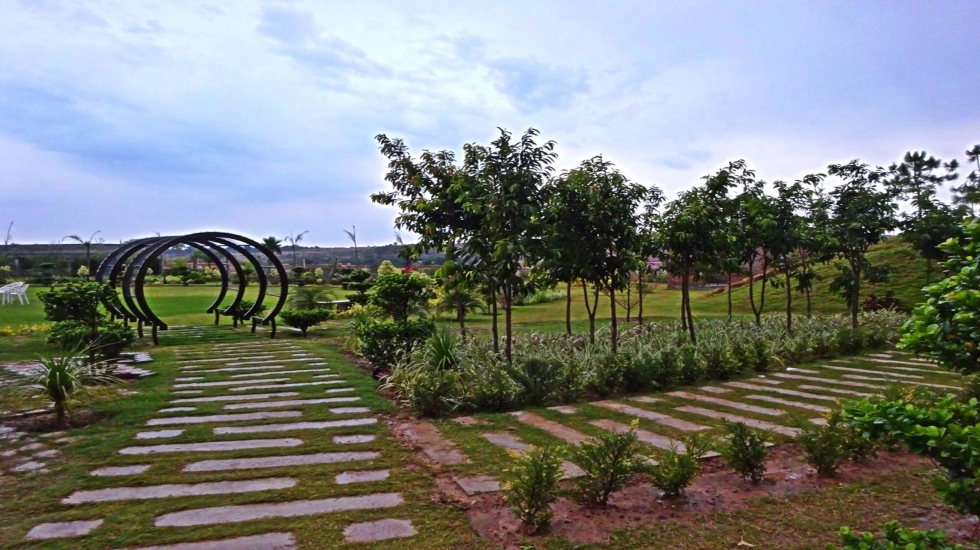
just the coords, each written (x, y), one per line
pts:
(224, 451)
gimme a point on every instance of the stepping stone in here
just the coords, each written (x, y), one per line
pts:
(245, 363)
(433, 444)
(277, 461)
(904, 359)
(512, 443)
(297, 385)
(251, 512)
(177, 409)
(475, 485)
(63, 529)
(318, 364)
(298, 371)
(764, 380)
(189, 392)
(804, 371)
(350, 410)
(229, 383)
(30, 466)
(558, 430)
(188, 378)
(783, 391)
(829, 381)
(888, 365)
(384, 529)
(835, 390)
(363, 476)
(120, 470)
(467, 421)
(778, 401)
(327, 376)
(239, 369)
(180, 490)
(650, 438)
(268, 541)
(222, 418)
(726, 403)
(714, 389)
(351, 439)
(338, 390)
(892, 381)
(235, 397)
(295, 426)
(563, 409)
(292, 403)
(32, 447)
(159, 434)
(659, 418)
(762, 425)
(220, 359)
(50, 453)
(212, 446)
(872, 372)
(644, 399)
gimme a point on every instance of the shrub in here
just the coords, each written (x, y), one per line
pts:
(400, 295)
(442, 351)
(384, 343)
(691, 366)
(531, 485)
(895, 538)
(745, 451)
(489, 387)
(303, 319)
(107, 341)
(64, 381)
(886, 301)
(238, 312)
(971, 388)
(609, 461)
(538, 379)
(433, 392)
(824, 447)
(641, 372)
(676, 470)
(607, 374)
(720, 363)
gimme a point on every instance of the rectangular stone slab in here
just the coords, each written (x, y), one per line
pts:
(781, 391)
(106, 471)
(804, 371)
(282, 372)
(63, 529)
(220, 359)
(222, 418)
(554, 428)
(478, 484)
(251, 512)
(889, 365)
(268, 541)
(229, 383)
(762, 425)
(211, 446)
(249, 397)
(433, 443)
(383, 529)
(893, 381)
(513, 443)
(179, 490)
(714, 389)
(158, 434)
(276, 386)
(290, 403)
(726, 403)
(873, 372)
(764, 380)
(278, 461)
(239, 369)
(648, 437)
(295, 426)
(829, 381)
(243, 363)
(652, 416)
(352, 439)
(361, 476)
(835, 390)
(797, 404)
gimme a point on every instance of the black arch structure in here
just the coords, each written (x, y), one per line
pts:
(127, 266)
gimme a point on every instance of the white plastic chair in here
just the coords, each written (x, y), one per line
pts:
(6, 292)
(21, 293)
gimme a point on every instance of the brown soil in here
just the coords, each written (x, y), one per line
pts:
(44, 423)
(640, 504)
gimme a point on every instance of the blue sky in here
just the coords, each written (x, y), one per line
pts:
(135, 117)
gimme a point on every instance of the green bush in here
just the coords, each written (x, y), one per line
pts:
(442, 351)
(609, 461)
(432, 392)
(383, 344)
(107, 341)
(676, 470)
(971, 388)
(745, 451)
(824, 447)
(896, 538)
(692, 365)
(720, 363)
(400, 295)
(531, 485)
(64, 381)
(538, 378)
(303, 319)
(607, 374)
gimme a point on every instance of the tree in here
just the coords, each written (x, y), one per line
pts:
(814, 240)
(9, 239)
(786, 236)
(273, 244)
(459, 295)
(969, 192)
(293, 241)
(931, 222)
(400, 295)
(352, 235)
(87, 244)
(861, 216)
(303, 319)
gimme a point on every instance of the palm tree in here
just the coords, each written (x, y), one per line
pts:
(353, 237)
(307, 297)
(293, 241)
(87, 244)
(273, 244)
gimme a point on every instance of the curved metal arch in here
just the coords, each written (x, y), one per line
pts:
(147, 250)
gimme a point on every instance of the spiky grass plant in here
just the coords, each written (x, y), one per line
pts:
(64, 382)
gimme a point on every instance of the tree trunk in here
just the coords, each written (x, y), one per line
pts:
(590, 310)
(568, 308)
(855, 297)
(789, 302)
(493, 312)
(60, 413)
(928, 270)
(686, 304)
(614, 326)
(809, 306)
(639, 292)
(629, 297)
(752, 287)
(729, 296)
(461, 317)
(508, 325)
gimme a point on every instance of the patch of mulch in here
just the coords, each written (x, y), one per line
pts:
(45, 423)
(715, 490)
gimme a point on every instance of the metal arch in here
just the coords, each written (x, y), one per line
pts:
(147, 250)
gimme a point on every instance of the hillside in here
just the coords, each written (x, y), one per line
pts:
(908, 276)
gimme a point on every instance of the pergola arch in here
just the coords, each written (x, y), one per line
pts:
(127, 267)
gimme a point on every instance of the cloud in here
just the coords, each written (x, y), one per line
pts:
(533, 85)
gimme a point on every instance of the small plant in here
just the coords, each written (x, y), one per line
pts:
(676, 470)
(64, 381)
(895, 538)
(303, 319)
(531, 485)
(609, 461)
(824, 447)
(442, 353)
(745, 451)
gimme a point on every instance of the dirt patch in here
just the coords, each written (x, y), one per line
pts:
(45, 422)
(716, 490)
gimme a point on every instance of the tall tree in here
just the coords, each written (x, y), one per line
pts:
(294, 241)
(814, 239)
(787, 203)
(86, 243)
(969, 192)
(352, 235)
(273, 244)
(862, 214)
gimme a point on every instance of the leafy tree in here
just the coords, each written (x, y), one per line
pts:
(814, 239)
(303, 319)
(787, 225)
(969, 192)
(78, 321)
(758, 235)
(459, 294)
(400, 295)
(862, 215)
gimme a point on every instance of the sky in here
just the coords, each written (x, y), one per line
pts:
(135, 117)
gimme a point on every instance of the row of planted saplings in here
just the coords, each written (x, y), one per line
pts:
(611, 460)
